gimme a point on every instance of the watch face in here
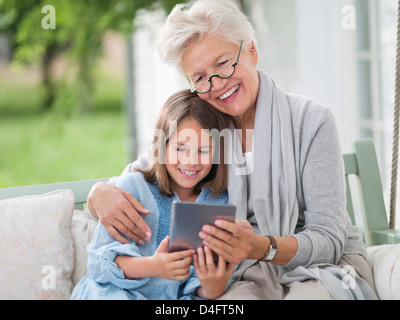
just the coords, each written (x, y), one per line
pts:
(272, 254)
(273, 249)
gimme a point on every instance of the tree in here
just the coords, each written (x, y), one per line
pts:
(79, 30)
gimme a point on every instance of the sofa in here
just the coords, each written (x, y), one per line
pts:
(43, 239)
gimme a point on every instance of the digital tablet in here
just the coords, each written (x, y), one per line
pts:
(188, 218)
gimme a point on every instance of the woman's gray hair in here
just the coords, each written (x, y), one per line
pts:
(191, 22)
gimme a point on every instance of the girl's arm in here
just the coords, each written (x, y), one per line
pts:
(136, 267)
(172, 266)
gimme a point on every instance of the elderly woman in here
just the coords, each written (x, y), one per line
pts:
(292, 232)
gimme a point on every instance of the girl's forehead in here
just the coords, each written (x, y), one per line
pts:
(189, 129)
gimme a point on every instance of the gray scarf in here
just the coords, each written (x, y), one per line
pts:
(273, 181)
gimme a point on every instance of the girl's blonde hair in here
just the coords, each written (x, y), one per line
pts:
(186, 105)
(195, 20)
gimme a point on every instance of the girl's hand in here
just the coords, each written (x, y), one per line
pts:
(213, 278)
(172, 266)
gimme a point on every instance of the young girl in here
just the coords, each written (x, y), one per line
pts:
(184, 170)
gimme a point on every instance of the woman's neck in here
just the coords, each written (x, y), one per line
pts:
(246, 124)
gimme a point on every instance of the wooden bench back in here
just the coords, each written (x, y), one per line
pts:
(81, 190)
(369, 211)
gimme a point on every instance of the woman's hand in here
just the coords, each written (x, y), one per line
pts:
(234, 242)
(119, 212)
(238, 241)
(213, 278)
(172, 266)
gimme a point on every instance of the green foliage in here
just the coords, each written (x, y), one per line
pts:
(53, 147)
(80, 27)
(63, 143)
(85, 147)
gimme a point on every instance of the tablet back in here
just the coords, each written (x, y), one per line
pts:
(188, 218)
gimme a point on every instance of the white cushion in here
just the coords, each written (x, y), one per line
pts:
(36, 250)
(385, 262)
(83, 227)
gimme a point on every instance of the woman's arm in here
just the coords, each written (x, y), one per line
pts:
(287, 248)
(322, 238)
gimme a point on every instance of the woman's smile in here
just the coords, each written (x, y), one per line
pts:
(229, 95)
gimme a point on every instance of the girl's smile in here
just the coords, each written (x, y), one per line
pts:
(189, 173)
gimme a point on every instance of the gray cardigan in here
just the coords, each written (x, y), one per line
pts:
(319, 176)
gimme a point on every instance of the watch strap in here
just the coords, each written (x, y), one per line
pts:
(273, 242)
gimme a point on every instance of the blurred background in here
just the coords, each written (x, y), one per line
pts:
(79, 93)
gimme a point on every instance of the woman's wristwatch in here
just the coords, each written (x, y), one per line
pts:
(273, 249)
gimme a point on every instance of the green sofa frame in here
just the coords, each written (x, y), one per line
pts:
(81, 189)
(369, 213)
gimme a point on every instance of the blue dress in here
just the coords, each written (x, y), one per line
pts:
(104, 280)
